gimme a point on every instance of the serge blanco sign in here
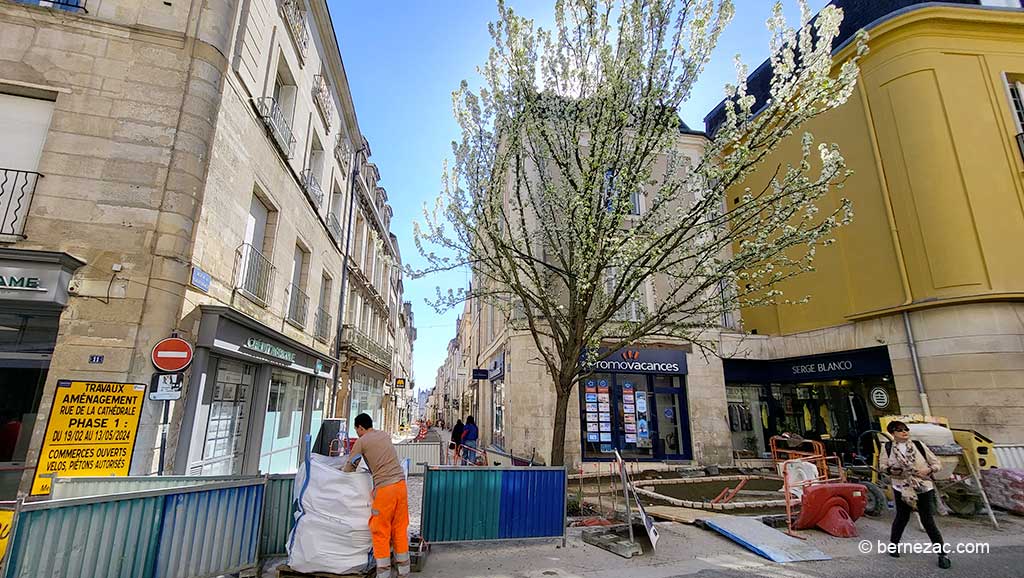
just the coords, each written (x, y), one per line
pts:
(668, 361)
(822, 367)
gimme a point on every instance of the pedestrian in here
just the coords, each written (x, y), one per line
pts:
(389, 522)
(456, 438)
(470, 435)
(911, 467)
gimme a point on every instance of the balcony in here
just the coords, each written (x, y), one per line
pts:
(273, 117)
(295, 16)
(312, 188)
(255, 274)
(16, 191)
(342, 152)
(323, 325)
(363, 345)
(324, 100)
(1020, 145)
(298, 305)
(334, 226)
(66, 5)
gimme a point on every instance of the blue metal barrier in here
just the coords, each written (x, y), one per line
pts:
(462, 504)
(168, 533)
(278, 515)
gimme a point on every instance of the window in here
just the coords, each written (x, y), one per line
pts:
(1017, 102)
(26, 122)
(1016, 87)
(298, 301)
(314, 172)
(631, 309)
(610, 193)
(255, 268)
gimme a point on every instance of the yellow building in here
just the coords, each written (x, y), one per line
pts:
(932, 268)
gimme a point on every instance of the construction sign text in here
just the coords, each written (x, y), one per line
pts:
(91, 431)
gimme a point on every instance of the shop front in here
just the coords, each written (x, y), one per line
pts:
(33, 293)
(253, 396)
(635, 402)
(496, 378)
(833, 398)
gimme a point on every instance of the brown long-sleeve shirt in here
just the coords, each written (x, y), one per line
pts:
(376, 448)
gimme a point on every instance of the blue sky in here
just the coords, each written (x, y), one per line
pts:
(405, 57)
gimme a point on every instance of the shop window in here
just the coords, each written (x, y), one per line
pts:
(223, 448)
(282, 426)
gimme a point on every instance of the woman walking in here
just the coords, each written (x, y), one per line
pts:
(456, 438)
(469, 442)
(911, 465)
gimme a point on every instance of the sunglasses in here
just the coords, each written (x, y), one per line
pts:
(900, 429)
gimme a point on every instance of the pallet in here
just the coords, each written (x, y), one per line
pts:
(285, 571)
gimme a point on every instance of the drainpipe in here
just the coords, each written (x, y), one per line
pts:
(917, 367)
(344, 280)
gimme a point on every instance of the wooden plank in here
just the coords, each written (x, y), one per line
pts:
(681, 515)
(765, 541)
(285, 571)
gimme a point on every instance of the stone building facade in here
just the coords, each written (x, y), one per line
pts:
(192, 169)
(917, 308)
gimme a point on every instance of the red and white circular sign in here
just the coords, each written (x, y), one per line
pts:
(172, 354)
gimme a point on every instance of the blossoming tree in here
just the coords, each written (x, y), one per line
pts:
(573, 126)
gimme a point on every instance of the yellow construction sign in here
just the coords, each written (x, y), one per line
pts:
(91, 431)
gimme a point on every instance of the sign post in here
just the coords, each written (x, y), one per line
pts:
(91, 431)
(171, 356)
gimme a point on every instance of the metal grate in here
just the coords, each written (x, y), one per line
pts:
(323, 325)
(312, 187)
(16, 191)
(298, 305)
(322, 97)
(255, 273)
(334, 226)
(273, 117)
(295, 15)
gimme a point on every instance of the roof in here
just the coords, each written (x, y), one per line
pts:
(857, 14)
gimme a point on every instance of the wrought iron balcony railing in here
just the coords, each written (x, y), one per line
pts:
(1020, 145)
(16, 191)
(66, 5)
(255, 273)
(273, 116)
(334, 226)
(322, 97)
(342, 152)
(365, 346)
(298, 305)
(323, 325)
(295, 16)
(312, 187)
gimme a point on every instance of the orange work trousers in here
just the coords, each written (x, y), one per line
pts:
(389, 526)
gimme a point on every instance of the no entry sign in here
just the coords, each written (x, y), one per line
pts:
(172, 354)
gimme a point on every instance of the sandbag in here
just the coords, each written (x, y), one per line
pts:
(332, 518)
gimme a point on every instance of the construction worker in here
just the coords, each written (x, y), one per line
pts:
(389, 522)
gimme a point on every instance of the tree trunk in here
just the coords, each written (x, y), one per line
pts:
(558, 434)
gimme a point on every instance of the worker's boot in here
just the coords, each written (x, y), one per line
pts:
(944, 562)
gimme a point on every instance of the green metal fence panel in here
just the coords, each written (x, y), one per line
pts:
(111, 539)
(463, 504)
(278, 515)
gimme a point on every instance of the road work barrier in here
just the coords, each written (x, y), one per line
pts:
(224, 524)
(184, 532)
(419, 453)
(463, 504)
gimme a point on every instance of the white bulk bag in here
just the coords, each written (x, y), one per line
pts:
(332, 521)
(331, 491)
